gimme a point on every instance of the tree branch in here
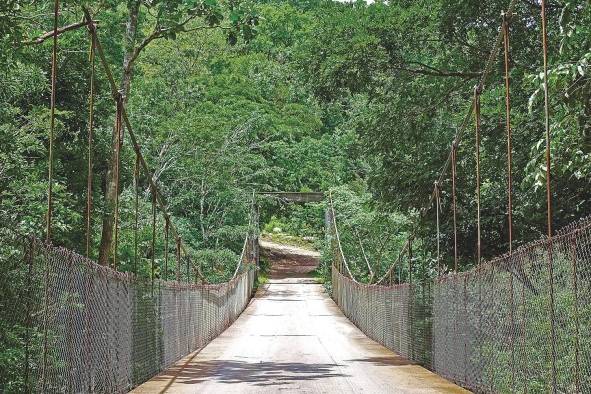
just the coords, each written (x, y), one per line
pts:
(60, 30)
(430, 70)
(160, 32)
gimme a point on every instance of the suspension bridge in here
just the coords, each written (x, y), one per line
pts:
(517, 323)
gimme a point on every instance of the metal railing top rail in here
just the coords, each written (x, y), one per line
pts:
(86, 327)
(489, 329)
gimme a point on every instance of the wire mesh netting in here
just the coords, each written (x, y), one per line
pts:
(519, 323)
(88, 328)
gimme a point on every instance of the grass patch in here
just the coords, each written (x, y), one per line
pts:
(318, 276)
(263, 274)
(262, 278)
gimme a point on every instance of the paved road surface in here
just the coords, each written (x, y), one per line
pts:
(293, 338)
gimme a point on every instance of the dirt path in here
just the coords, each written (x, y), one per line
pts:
(293, 338)
(289, 261)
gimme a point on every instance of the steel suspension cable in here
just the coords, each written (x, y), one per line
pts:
(241, 258)
(546, 116)
(506, 17)
(548, 191)
(56, 6)
(118, 145)
(495, 50)
(251, 221)
(370, 270)
(338, 240)
(49, 197)
(127, 124)
(395, 264)
(90, 138)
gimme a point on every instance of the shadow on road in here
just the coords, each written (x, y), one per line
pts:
(259, 374)
(383, 361)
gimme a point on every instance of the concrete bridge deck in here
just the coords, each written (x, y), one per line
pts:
(293, 338)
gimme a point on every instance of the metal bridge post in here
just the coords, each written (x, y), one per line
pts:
(505, 26)
(56, 6)
(90, 141)
(549, 194)
(118, 146)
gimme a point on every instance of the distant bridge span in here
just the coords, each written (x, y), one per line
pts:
(295, 196)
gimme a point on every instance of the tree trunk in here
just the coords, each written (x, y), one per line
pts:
(106, 245)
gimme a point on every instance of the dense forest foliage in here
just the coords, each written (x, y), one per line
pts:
(231, 97)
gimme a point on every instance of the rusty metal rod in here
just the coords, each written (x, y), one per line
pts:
(118, 145)
(549, 195)
(150, 177)
(477, 158)
(508, 129)
(56, 6)
(546, 117)
(90, 138)
(505, 26)
(49, 195)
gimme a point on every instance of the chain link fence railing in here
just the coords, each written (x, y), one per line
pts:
(83, 328)
(519, 323)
